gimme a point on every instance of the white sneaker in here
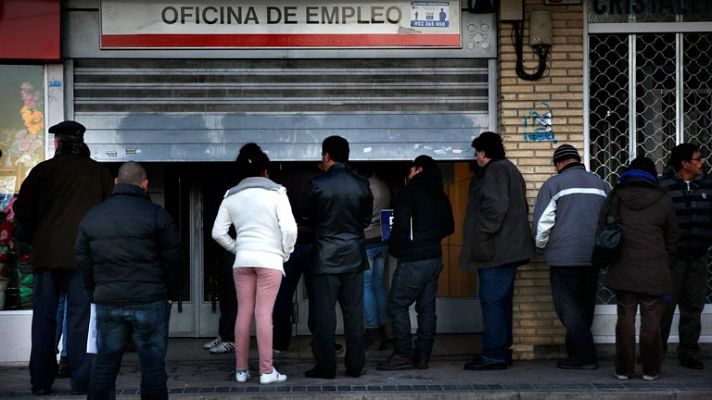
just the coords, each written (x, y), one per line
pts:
(622, 377)
(650, 377)
(222, 348)
(273, 377)
(242, 376)
(209, 345)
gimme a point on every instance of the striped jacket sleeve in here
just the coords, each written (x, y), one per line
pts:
(544, 215)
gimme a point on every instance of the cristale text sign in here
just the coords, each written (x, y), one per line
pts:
(279, 24)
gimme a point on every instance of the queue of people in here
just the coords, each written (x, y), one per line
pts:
(330, 234)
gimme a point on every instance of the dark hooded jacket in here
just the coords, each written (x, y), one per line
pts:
(423, 202)
(649, 239)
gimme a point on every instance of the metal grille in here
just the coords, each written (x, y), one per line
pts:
(655, 96)
(655, 60)
(204, 110)
(609, 141)
(281, 85)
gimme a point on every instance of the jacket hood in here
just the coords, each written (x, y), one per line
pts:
(429, 180)
(253, 182)
(639, 194)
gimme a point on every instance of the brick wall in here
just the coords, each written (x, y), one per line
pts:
(537, 331)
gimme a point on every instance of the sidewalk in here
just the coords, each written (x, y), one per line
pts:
(193, 373)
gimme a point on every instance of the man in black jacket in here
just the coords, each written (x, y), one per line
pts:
(53, 200)
(337, 205)
(422, 217)
(128, 253)
(691, 192)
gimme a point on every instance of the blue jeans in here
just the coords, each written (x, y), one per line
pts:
(62, 324)
(573, 290)
(496, 291)
(145, 324)
(374, 294)
(48, 285)
(414, 282)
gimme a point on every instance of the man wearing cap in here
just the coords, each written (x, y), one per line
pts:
(565, 221)
(52, 201)
(422, 217)
(497, 238)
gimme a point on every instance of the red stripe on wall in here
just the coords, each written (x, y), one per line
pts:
(281, 40)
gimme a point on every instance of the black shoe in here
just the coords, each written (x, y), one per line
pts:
(63, 369)
(395, 362)
(338, 348)
(692, 362)
(573, 364)
(370, 337)
(386, 344)
(479, 364)
(421, 365)
(315, 373)
(41, 391)
(78, 391)
(356, 374)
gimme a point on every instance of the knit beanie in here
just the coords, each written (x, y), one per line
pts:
(564, 152)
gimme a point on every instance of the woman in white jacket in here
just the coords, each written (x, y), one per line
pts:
(266, 231)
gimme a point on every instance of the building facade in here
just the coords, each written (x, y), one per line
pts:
(181, 88)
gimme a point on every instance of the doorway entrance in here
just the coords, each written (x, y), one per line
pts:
(192, 192)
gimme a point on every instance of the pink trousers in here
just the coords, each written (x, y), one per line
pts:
(256, 293)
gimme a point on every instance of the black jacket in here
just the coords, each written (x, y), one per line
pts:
(693, 207)
(423, 202)
(53, 200)
(337, 205)
(128, 249)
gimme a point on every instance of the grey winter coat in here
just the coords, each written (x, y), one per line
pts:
(566, 216)
(496, 229)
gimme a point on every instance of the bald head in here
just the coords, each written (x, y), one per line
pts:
(132, 173)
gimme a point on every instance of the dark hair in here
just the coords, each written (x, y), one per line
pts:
(644, 164)
(680, 153)
(69, 138)
(132, 173)
(425, 162)
(337, 148)
(490, 143)
(251, 161)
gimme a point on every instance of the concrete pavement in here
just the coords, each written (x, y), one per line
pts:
(196, 374)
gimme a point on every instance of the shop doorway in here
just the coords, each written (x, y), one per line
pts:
(192, 192)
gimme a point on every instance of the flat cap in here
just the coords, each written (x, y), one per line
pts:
(71, 128)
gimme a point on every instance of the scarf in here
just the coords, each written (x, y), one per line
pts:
(637, 174)
(73, 148)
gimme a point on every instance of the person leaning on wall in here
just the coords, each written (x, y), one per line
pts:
(496, 212)
(565, 222)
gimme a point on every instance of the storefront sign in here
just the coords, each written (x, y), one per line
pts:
(29, 30)
(287, 23)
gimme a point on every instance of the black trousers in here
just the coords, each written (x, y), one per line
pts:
(573, 290)
(689, 279)
(324, 291)
(228, 298)
(282, 316)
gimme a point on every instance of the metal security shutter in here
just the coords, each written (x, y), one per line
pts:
(205, 110)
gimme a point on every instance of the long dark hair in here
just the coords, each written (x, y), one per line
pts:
(251, 161)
